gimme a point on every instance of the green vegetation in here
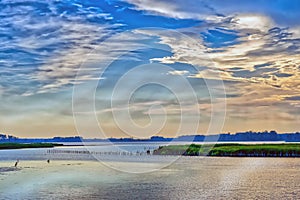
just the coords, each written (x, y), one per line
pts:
(255, 150)
(29, 145)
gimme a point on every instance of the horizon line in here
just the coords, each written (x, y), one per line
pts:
(197, 134)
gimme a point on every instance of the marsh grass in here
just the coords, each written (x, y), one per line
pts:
(256, 150)
(27, 145)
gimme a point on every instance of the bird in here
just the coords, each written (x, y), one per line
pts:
(48, 161)
(16, 164)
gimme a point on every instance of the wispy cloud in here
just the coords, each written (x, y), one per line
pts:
(252, 46)
(179, 72)
(200, 10)
(263, 62)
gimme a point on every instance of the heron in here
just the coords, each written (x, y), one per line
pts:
(16, 164)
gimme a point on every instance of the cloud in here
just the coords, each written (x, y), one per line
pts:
(42, 34)
(216, 10)
(178, 9)
(47, 49)
(268, 46)
(179, 72)
(250, 46)
(262, 63)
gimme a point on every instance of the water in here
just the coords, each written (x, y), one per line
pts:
(42, 153)
(180, 178)
(187, 178)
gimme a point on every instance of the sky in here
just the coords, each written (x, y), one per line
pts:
(134, 67)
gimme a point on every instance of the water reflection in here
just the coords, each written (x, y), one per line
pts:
(187, 178)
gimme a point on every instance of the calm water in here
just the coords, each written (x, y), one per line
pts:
(41, 154)
(183, 178)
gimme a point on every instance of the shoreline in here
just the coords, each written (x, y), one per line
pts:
(210, 150)
(231, 150)
(8, 146)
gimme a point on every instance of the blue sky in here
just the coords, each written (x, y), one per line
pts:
(48, 47)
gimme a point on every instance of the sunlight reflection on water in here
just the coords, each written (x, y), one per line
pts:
(189, 177)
